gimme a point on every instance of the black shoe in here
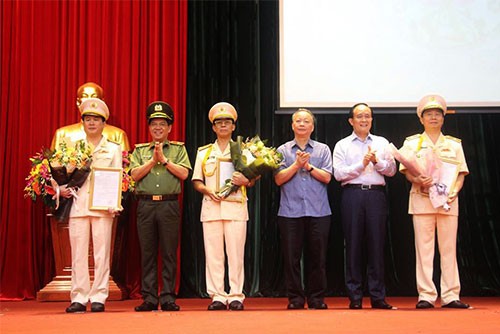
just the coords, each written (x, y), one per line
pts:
(295, 306)
(76, 308)
(317, 306)
(236, 305)
(423, 304)
(456, 304)
(355, 305)
(216, 306)
(170, 306)
(97, 307)
(382, 305)
(146, 307)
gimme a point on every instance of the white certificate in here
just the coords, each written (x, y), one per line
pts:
(448, 175)
(105, 188)
(225, 170)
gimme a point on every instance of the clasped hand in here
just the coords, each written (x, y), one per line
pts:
(158, 155)
(115, 211)
(424, 181)
(239, 179)
(453, 196)
(370, 156)
(65, 192)
(427, 182)
(302, 159)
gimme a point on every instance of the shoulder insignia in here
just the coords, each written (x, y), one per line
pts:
(176, 142)
(113, 141)
(142, 145)
(453, 138)
(417, 136)
(204, 147)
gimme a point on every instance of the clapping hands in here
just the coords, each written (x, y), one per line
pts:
(302, 158)
(370, 156)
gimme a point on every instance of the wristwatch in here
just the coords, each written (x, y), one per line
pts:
(311, 169)
(166, 163)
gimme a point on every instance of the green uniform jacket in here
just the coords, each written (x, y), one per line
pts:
(159, 181)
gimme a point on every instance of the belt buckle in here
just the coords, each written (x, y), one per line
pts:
(156, 197)
(365, 187)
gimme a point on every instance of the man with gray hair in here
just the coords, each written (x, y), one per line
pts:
(304, 213)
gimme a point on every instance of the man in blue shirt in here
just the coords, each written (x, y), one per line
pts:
(360, 162)
(304, 213)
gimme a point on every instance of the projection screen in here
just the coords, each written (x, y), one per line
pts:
(389, 53)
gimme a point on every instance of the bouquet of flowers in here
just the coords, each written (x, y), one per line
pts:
(251, 158)
(128, 183)
(39, 179)
(438, 194)
(408, 159)
(69, 166)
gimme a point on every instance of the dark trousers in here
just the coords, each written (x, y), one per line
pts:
(308, 235)
(364, 214)
(158, 228)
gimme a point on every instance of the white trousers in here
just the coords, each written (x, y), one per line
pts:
(425, 231)
(232, 234)
(79, 236)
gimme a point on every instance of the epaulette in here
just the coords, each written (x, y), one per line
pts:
(176, 142)
(204, 147)
(142, 145)
(414, 137)
(453, 138)
(112, 141)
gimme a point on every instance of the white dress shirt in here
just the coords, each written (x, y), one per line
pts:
(348, 156)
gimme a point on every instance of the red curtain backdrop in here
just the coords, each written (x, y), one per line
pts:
(136, 50)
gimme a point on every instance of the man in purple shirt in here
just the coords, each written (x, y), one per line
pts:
(304, 213)
(360, 162)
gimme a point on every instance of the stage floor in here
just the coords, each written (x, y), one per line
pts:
(261, 315)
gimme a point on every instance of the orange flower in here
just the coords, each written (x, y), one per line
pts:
(50, 190)
(36, 188)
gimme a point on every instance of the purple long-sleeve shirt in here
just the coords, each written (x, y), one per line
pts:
(303, 195)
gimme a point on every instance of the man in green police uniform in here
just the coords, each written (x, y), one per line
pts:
(158, 168)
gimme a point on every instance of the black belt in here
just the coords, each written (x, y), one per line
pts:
(365, 186)
(158, 197)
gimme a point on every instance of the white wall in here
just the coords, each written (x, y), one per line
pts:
(389, 53)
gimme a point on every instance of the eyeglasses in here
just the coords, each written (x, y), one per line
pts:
(221, 122)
